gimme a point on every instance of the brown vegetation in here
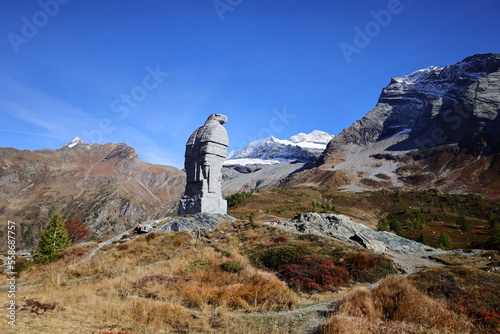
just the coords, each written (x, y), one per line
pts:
(395, 306)
(469, 291)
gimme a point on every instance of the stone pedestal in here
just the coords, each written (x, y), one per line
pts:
(206, 204)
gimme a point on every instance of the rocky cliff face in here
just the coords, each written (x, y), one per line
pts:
(105, 185)
(437, 127)
(435, 96)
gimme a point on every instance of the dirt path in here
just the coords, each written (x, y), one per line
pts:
(100, 245)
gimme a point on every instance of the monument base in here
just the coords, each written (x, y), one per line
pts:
(207, 204)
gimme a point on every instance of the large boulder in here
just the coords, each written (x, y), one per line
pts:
(343, 228)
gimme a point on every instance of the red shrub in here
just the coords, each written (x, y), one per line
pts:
(77, 230)
(314, 274)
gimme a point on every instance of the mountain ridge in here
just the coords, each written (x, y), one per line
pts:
(431, 128)
(105, 185)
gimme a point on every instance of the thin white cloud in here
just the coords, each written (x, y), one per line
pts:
(158, 156)
(39, 113)
(32, 134)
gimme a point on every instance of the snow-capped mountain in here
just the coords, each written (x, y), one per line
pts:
(74, 142)
(271, 150)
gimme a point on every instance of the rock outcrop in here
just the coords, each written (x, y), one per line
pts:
(343, 228)
(407, 255)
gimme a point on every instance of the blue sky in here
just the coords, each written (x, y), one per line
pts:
(149, 72)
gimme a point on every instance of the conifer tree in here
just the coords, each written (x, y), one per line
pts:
(396, 227)
(494, 226)
(383, 225)
(54, 240)
(444, 241)
(422, 239)
(463, 222)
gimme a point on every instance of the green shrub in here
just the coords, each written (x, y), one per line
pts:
(232, 267)
(369, 268)
(22, 265)
(275, 258)
(237, 198)
(197, 266)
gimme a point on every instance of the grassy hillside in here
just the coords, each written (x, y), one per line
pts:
(249, 277)
(426, 213)
(174, 283)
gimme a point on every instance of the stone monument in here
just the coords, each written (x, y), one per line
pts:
(206, 151)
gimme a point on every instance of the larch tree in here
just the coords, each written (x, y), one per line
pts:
(54, 240)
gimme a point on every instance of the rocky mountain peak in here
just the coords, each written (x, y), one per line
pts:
(411, 101)
(446, 114)
(439, 81)
(76, 141)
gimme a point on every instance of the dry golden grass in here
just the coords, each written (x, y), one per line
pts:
(395, 306)
(253, 290)
(162, 283)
